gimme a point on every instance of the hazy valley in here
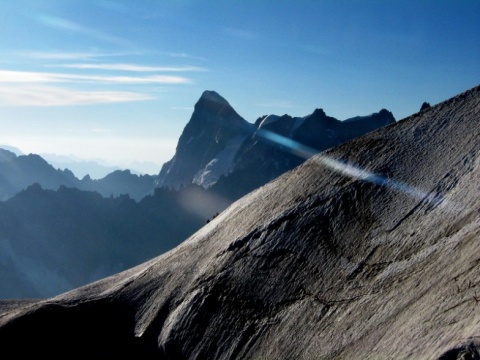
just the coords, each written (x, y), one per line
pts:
(366, 250)
(60, 232)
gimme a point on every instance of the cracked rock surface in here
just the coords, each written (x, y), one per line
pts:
(376, 260)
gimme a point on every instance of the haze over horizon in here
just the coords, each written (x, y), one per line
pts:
(117, 81)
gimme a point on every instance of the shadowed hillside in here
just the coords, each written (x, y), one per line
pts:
(368, 250)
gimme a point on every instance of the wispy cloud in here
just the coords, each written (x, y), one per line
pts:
(65, 84)
(185, 56)
(55, 96)
(8, 76)
(59, 55)
(132, 67)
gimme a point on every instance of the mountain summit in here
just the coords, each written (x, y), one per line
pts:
(208, 143)
(367, 250)
(218, 143)
(218, 150)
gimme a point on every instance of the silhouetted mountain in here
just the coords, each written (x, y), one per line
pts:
(217, 147)
(262, 157)
(367, 250)
(207, 145)
(12, 149)
(80, 167)
(121, 182)
(19, 172)
(221, 150)
(215, 142)
(54, 241)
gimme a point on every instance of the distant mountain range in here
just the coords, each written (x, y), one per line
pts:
(80, 167)
(369, 250)
(216, 146)
(19, 172)
(219, 147)
(53, 241)
(73, 231)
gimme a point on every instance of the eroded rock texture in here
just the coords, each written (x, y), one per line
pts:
(369, 250)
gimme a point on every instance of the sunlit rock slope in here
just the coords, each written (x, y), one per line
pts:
(370, 250)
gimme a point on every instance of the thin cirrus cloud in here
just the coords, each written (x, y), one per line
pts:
(78, 56)
(133, 67)
(55, 88)
(185, 56)
(65, 55)
(9, 76)
(43, 95)
(28, 88)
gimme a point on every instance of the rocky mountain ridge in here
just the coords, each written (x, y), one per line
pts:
(368, 250)
(54, 241)
(49, 224)
(217, 143)
(19, 172)
(214, 128)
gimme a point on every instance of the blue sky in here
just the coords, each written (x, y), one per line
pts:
(117, 80)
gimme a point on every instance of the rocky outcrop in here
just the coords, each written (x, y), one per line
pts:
(213, 128)
(217, 143)
(368, 250)
(260, 160)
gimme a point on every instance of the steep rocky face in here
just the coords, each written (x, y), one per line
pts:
(260, 160)
(217, 143)
(354, 254)
(214, 127)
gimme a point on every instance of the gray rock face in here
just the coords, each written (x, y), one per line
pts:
(259, 160)
(369, 250)
(219, 146)
(214, 125)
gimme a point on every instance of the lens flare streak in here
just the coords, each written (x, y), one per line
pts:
(347, 169)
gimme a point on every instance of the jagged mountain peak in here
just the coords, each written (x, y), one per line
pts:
(322, 263)
(214, 130)
(212, 114)
(217, 141)
(319, 113)
(213, 108)
(213, 96)
(383, 114)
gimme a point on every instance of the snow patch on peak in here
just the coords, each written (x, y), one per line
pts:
(222, 164)
(270, 119)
